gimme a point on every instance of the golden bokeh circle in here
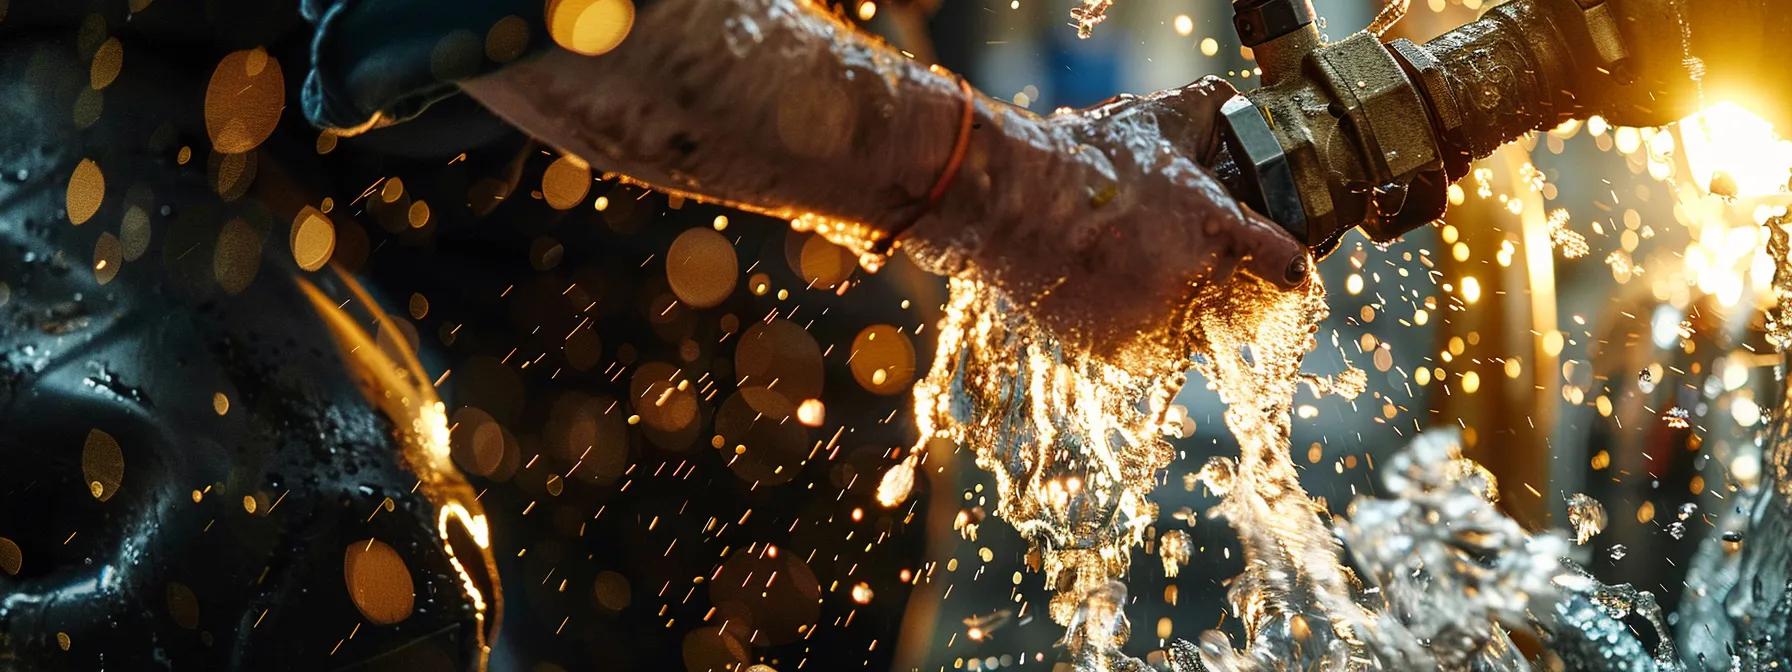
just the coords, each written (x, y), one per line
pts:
(781, 356)
(237, 257)
(702, 268)
(378, 581)
(183, 605)
(712, 650)
(590, 27)
(93, 31)
(88, 106)
(313, 238)
(232, 174)
(546, 253)
(488, 448)
(134, 227)
(102, 464)
(86, 190)
(823, 264)
(418, 214)
(607, 458)
(507, 39)
(456, 55)
(476, 441)
(761, 440)
(392, 189)
(883, 359)
(108, 258)
(565, 182)
(776, 587)
(243, 101)
(12, 558)
(663, 397)
(611, 590)
(134, 234)
(588, 433)
(584, 349)
(107, 62)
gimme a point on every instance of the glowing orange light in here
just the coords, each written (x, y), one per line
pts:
(1730, 146)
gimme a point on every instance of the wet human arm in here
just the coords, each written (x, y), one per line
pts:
(1101, 222)
(767, 105)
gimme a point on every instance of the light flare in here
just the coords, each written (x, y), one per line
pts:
(1727, 139)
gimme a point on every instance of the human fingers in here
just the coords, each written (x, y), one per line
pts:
(1271, 253)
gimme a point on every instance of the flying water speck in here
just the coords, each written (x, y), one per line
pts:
(1586, 516)
(1686, 510)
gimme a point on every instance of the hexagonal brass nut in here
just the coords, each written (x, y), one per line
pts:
(1393, 128)
(1424, 68)
(1264, 166)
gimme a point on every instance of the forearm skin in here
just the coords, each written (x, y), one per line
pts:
(768, 105)
(1101, 223)
(777, 107)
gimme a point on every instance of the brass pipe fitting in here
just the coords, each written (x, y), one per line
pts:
(1279, 34)
(1361, 133)
(1351, 133)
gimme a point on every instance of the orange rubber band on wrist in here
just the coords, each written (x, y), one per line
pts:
(960, 147)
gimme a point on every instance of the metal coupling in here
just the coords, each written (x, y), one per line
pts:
(1351, 132)
(1259, 21)
(1370, 134)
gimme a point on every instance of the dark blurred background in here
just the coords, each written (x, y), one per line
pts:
(610, 356)
(561, 325)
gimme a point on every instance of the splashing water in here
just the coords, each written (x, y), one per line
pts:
(1570, 243)
(1088, 15)
(1586, 515)
(1074, 444)
(1779, 248)
(1073, 441)
(1294, 595)
(1390, 15)
(1175, 548)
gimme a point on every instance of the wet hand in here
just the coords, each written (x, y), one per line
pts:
(1105, 223)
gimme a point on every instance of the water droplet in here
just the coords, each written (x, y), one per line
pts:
(1586, 515)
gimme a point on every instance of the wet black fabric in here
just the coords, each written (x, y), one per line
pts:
(508, 278)
(394, 58)
(121, 327)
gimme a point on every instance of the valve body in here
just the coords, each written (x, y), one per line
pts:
(1370, 134)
